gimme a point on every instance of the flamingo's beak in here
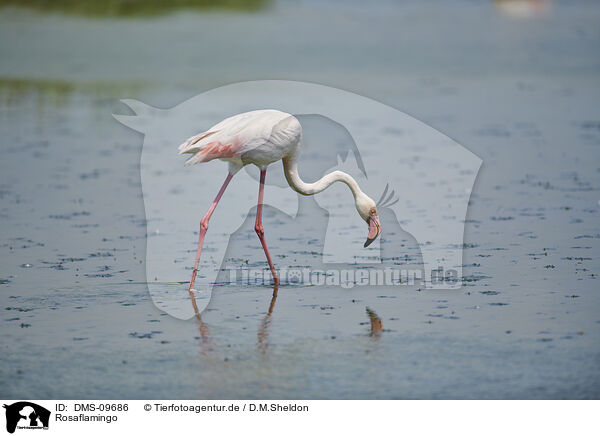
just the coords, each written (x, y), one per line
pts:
(374, 229)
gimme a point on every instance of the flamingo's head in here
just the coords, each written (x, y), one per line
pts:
(367, 209)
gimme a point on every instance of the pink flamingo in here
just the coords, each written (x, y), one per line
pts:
(262, 137)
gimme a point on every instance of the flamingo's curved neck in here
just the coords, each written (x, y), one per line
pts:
(290, 168)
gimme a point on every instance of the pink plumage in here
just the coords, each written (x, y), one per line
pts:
(237, 138)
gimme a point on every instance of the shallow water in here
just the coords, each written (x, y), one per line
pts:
(77, 319)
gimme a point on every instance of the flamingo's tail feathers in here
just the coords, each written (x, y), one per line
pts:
(195, 143)
(212, 150)
(197, 158)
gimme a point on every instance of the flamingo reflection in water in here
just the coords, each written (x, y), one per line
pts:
(207, 345)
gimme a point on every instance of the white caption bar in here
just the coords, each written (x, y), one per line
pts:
(164, 417)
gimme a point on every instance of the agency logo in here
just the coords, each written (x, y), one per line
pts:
(26, 415)
(422, 178)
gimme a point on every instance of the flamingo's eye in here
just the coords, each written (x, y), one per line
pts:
(373, 210)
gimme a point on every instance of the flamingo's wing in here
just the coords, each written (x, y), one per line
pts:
(232, 137)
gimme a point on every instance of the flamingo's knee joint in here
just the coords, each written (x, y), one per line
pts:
(204, 225)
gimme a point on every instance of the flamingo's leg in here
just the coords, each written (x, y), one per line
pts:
(258, 227)
(203, 229)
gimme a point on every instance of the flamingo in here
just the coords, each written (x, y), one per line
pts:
(262, 137)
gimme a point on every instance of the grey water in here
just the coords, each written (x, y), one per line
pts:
(521, 92)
